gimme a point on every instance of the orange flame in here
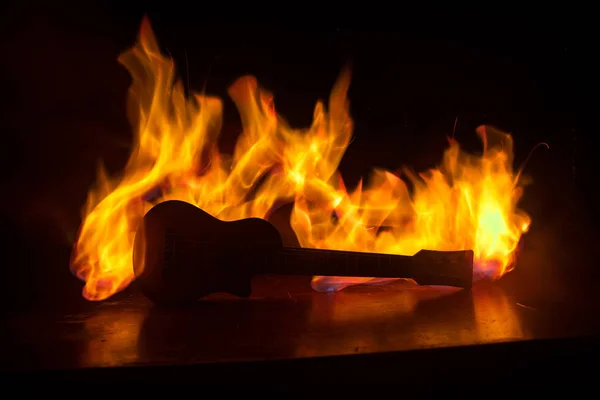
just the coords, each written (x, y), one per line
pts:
(468, 203)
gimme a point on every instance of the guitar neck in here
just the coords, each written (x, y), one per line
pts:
(302, 261)
(447, 268)
(434, 268)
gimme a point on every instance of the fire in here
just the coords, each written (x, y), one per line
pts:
(469, 202)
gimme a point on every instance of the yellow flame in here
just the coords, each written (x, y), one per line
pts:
(470, 202)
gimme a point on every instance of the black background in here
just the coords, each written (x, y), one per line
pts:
(527, 72)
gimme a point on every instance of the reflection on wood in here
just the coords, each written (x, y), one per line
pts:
(112, 337)
(284, 318)
(497, 315)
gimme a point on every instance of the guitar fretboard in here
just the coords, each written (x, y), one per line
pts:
(303, 261)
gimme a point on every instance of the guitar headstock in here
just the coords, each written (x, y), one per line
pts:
(445, 257)
(454, 267)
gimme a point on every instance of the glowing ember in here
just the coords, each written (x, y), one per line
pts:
(468, 203)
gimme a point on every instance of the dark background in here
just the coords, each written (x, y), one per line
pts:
(527, 72)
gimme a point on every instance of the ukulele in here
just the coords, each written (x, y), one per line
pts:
(181, 254)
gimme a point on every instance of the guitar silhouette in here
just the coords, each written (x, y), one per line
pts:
(181, 254)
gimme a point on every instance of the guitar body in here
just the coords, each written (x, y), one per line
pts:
(181, 253)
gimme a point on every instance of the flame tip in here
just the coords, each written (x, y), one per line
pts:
(145, 25)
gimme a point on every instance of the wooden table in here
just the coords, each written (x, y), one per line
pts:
(540, 318)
